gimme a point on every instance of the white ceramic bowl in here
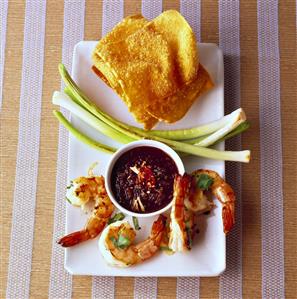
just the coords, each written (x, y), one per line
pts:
(168, 150)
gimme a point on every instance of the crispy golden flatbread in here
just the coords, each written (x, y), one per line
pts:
(153, 66)
(100, 75)
(151, 63)
(121, 31)
(143, 66)
(181, 38)
(173, 108)
(147, 119)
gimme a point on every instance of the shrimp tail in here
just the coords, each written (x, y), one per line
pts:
(228, 217)
(149, 247)
(225, 194)
(159, 225)
(74, 238)
(227, 198)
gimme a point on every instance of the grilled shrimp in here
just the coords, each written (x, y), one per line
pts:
(197, 201)
(117, 248)
(182, 220)
(81, 191)
(224, 193)
(189, 200)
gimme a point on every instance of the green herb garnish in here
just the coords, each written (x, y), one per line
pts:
(204, 181)
(135, 222)
(71, 185)
(122, 242)
(68, 200)
(116, 217)
(165, 248)
(189, 237)
(167, 224)
(188, 224)
(114, 241)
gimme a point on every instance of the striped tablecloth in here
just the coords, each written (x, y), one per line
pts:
(258, 39)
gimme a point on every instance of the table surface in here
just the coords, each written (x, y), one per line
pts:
(252, 272)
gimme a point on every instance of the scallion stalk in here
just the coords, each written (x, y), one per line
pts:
(63, 100)
(229, 127)
(107, 149)
(91, 114)
(78, 95)
(240, 156)
(239, 130)
(81, 136)
(202, 130)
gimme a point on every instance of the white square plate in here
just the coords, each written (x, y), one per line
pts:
(207, 258)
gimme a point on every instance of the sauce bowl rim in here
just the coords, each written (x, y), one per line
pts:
(127, 147)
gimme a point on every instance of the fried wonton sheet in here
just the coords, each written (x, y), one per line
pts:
(143, 66)
(153, 66)
(122, 30)
(173, 108)
(126, 27)
(181, 38)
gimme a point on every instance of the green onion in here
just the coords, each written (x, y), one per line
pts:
(116, 217)
(73, 90)
(79, 97)
(240, 129)
(63, 100)
(136, 223)
(91, 114)
(199, 131)
(240, 156)
(69, 186)
(229, 127)
(82, 137)
(165, 248)
(68, 200)
(189, 237)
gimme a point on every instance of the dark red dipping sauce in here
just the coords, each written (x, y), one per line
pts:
(142, 179)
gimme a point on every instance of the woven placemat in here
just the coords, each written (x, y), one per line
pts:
(258, 39)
